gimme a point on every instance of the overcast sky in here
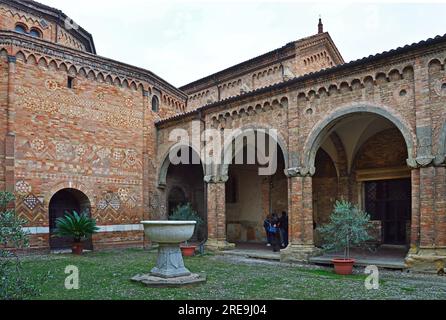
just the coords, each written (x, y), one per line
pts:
(182, 41)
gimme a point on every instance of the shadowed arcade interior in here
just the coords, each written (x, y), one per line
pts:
(363, 159)
(185, 184)
(250, 197)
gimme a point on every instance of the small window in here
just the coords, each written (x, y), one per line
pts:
(155, 104)
(70, 83)
(20, 28)
(35, 33)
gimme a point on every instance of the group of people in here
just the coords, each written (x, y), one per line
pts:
(276, 229)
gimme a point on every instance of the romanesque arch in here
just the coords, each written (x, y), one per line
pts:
(314, 140)
(184, 183)
(251, 193)
(62, 202)
(227, 150)
(163, 169)
(379, 147)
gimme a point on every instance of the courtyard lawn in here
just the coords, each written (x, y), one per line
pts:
(106, 275)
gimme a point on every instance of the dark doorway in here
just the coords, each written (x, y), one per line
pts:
(67, 200)
(177, 198)
(185, 184)
(389, 201)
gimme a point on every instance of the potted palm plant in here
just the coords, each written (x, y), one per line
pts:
(76, 226)
(348, 227)
(186, 213)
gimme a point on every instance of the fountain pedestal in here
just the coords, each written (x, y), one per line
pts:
(170, 262)
(170, 270)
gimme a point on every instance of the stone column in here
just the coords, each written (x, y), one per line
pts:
(216, 212)
(300, 203)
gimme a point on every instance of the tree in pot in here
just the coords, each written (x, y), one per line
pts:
(348, 228)
(187, 213)
(76, 226)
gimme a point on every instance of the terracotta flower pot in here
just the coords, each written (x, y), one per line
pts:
(343, 266)
(77, 248)
(188, 251)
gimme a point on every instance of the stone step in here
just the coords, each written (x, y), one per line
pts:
(253, 254)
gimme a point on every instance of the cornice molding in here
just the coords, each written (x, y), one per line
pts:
(55, 15)
(84, 59)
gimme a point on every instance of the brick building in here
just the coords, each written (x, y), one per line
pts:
(80, 131)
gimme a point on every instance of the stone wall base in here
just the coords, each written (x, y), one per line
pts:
(299, 253)
(218, 245)
(427, 260)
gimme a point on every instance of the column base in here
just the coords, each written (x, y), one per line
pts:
(299, 253)
(218, 245)
(427, 260)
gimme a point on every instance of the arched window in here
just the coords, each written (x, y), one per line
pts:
(20, 28)
(35, 33)
(155, 104)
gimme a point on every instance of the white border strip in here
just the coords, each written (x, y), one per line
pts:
(121, 228)
(102, 229)
(37, 230)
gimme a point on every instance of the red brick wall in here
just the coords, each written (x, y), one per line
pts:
(113, 240)
(3, 107)
(98, 137)
(10, 17)
(384, 150)
(78, 135)
(325, 187)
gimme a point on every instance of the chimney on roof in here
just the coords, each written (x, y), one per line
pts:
(320, 26)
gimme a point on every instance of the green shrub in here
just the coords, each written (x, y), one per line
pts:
(14, 285)
(186, 213)
(348, 228)
(78, 227)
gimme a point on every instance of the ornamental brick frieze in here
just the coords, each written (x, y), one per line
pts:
(55, 103)
(134, 76)
(23, 173)
(20, 15)
(234, 117)
(29, 206)
(82, 155)
(118, 207)
(365, 82)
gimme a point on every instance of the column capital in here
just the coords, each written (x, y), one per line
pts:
(426, 161)
(216, 179)
(300, 172)
(440, 160)
(12, 59)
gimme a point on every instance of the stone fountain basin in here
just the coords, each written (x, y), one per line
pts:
(169, 232)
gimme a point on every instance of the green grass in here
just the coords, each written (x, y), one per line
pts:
(106, 275)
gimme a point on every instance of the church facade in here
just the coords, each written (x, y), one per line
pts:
(83, 132)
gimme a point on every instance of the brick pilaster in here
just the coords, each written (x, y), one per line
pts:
(301, 210)
(428, 239)
(415, 223)
(216, 214)
(427, 213)
(301, 219)
(10, 135)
